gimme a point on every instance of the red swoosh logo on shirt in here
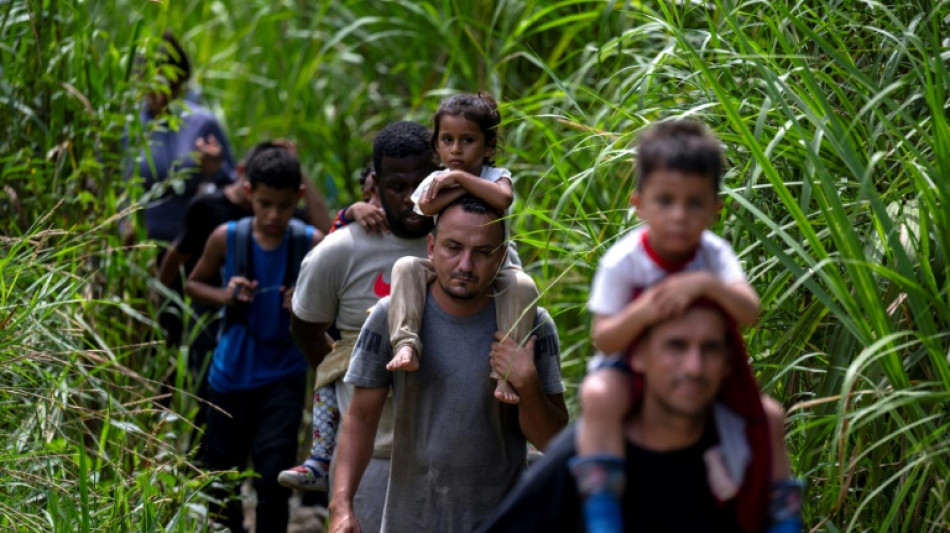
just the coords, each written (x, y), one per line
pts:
(381, 288)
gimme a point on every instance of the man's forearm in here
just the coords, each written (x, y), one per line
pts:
(354, 449)
(311, 338)
(353, 452)
(540, 416)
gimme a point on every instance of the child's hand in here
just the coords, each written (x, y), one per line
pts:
(675, 293)
(239, 289)
(442, 181)
(513, 362)
(288, 297)
(371, 218)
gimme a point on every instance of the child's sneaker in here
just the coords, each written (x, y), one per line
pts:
(310, 476)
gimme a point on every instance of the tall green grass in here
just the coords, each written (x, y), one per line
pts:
(833, 114)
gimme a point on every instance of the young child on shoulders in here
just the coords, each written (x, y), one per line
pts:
(465, 137)
(650, 275)
(257, 374)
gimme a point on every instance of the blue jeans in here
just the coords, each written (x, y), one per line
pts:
(263, 425)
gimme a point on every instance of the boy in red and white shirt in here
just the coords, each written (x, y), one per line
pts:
(649, 276)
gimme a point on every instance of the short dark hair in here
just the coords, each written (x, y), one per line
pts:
(258, 148)
(398, 140)
(479, 107)
(172, 54)
(473, 204)
(273, 166)
(683, 145)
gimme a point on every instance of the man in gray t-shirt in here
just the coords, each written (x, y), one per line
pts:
(456, 450)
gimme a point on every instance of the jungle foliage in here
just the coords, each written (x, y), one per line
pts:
(833, 114)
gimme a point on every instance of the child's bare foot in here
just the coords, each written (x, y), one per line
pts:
(505, 393)
(405, 359)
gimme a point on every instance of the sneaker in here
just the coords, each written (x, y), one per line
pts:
(303, 477)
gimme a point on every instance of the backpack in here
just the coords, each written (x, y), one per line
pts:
(297, 249)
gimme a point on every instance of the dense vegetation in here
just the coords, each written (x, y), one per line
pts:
(834, 114)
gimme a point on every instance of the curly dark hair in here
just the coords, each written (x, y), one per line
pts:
(479, 107)
(398, 140)
(274, 166)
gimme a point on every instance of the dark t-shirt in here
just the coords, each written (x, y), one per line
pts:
(666, 492)
(205, 213)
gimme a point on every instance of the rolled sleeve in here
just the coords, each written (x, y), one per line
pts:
(372, 352)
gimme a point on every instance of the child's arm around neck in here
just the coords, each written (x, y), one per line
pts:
(669, 298)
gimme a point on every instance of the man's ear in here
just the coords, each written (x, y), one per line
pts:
(247, 187)
(300, 191)
(635, 199)
(430, 245)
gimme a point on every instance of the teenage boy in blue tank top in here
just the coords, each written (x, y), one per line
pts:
(257, 374)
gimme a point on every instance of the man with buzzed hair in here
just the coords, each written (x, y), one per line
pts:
(456, 450)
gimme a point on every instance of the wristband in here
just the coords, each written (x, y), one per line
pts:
(342, 216)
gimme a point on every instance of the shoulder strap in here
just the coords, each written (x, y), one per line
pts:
(243, 255)
(243, 247)
(297, 249)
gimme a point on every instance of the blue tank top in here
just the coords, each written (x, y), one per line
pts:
(246, 360)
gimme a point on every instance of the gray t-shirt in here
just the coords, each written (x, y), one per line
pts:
(456, 450)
